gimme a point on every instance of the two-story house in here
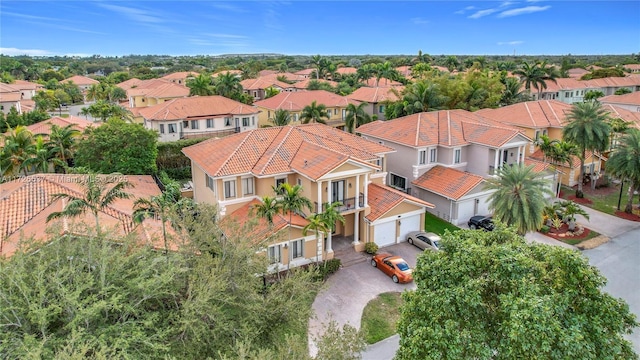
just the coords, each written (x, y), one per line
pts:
(83, 82)
(295, 102)
(144, 93)
(257, 87)
(330, 165)
(199, 116)
(10, 96)
(630, 101)
(377, 98)
(443, 145)
(180, 77)
(570, 90)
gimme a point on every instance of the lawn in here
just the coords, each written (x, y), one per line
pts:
(436, 225)
(603, 199)
(380, 317)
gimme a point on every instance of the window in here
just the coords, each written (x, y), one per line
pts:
(422, 157)
(280, 182)
(172, 128)
(335, 111)
(245, 121)
(300, 182)
(195, 124)
(229, 189)
(161, 128)
(275, 253)
(297, 249)
(185, 124)
(227, 121)
(566, 94)
(537, 135)
(247, 186)
(398, 181)
(456, 156)
(253, 121)
(296, 117)
(381, 109)
(209, 181)
(329, 113)
(255, 94)
(209, 123)
(433, 155)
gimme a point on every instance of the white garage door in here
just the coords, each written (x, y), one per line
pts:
(385, 234)
(408, 224)
(465, 211)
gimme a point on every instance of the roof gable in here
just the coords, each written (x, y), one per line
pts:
(196, 106)
(448, 182)
(382, 199)
(296, 101)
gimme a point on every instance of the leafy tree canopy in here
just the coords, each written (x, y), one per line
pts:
(489, 295)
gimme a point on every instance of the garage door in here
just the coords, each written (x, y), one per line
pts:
(385, 234)
(408, 224)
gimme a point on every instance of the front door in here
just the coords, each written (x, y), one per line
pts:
(337, 191)
(505, 154)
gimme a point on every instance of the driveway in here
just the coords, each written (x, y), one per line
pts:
(348, 291)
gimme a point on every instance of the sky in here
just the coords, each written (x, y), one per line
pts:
(299, 27)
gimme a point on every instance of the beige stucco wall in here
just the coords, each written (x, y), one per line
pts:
(201, 193)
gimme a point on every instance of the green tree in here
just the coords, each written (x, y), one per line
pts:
(46, 101)
(593, 95)
(546, 145)
(202, 85)
(570, 209)
(270, 92)
(622, 91)
(63, 141)
(422, 96)
(267, 209)
(320, 64)
(316, 224)
(386, 71)
(291, 201)
(588, 128)
(41, 157)
(537, 75)
(97, 196)
(330, 215)
(104, 110)
(624, 163)
(356, 116)
(314, 113)
(490, 295)
(119, 147)
(512, 91)
(281, 117)
(518, 199)
(18, 148)
(228, 85)
(451, 62)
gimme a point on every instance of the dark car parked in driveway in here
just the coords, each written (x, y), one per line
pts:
(481, 222)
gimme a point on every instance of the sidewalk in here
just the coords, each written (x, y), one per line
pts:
(606, 224)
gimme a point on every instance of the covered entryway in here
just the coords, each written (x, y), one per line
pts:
(408, 224)
(385, 233)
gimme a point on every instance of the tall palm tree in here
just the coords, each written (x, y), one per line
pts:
(40, 158)
(589, 130)
(356, 116)
(451, 62)
(228, 85)
(423, 96)
(624, 162)
(267, 209)
(97, 92)
(281, 117)
(291, 201)
(618, 128)
(320, 64)
(518, 199)
(385, 70)
(546, 145)
(536, 75)
(162, 207)
(561, 154)
(316, 224)
(62, 141)
(364, 73)
(314, 113)
(512, 93)
(18, 147)
(97, 197)
(330, 215)
(201, 85)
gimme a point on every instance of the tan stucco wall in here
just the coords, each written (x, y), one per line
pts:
(402, 208)
(201, 193)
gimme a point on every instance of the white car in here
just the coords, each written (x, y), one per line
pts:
(424, 240)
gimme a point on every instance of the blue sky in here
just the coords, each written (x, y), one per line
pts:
(208, 27)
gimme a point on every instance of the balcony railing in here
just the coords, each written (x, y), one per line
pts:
(348, 204)
(208, 134)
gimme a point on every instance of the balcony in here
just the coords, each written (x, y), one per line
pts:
(348, 204)
(208, 134)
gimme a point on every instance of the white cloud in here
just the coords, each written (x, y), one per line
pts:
(419, 21)
(468, 8)
(138, 15)
(226, 36)
(30, 52)
(227, 7)
(522, 11)
(516, 42)
(481, 13)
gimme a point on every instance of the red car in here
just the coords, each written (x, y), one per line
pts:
(394, 266)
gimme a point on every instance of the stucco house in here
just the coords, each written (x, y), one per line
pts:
(570, 90)
(257, 87)
(82, 82)
(180, 77)
(630, 101)
(199, 116)
(376, 98)
(144, 93)
(10, 96)
(330, 165)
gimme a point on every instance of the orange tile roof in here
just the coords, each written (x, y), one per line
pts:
(180, 75)
(158, 88)
(632, 66)
(26, 202)
(530, 114)
(305, 83)
(382, 199)
(346, 70)
(445, 128)
(287, 75)
(263, 83)
(373, 95)
(538, 166)
(267, 72)
(27, 85)
(296, 101)
(450, 183)
(44, 127)
(630, 98)
(235, 72)
(196, 107)
(371, 82)
(259, 229)
(539, 155)
(624, 114)
(277, 150)
(128, 84)
(81, 80)
(304, 72)
(404, 71)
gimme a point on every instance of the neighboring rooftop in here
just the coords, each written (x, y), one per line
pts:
(382, 199)
(296, 101)
(196, 107)
(450, 183)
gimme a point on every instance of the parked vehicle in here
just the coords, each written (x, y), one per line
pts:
(481, 222)
(424, 240)
(394, 266)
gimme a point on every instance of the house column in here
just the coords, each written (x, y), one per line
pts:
(366, 189)
(357, 192)
(495, 162)
(356, 227)
(518, 159)
(319, 209)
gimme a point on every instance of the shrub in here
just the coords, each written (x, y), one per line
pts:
(327, 268)
(371, 248)
(544, 229)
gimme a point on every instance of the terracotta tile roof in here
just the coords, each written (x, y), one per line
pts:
(538, 165)
(27, 85)
(632, 66)
(180, 75)
(564, 84)
(630, 98)
(346, 70)
(196, 107)
(26, 202)
(622, 113)
(577, 73)
(371, 82)
(296, 101)
(277, 150)
(235, 72)
(44, 127)
(305, 83)
(81, 80)
(444, 128)
(304, 72)
(158, 88)
(267, 72)
(404, 71)
(575, 164)
(9, 94)
(382, 199)
(530, 114)
(373, 95)
(448, 182)
(287, 75)
(258, 228)
(128, 84)
(263, 83)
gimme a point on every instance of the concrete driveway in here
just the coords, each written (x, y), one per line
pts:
(348, 291)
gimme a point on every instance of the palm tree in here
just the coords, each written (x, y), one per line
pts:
(268, 208)
(423, 96)
(281, 117)
(18, 147)
(518, 199)
(62, 141)
(536, 75)
(624, 163)
(160, 207)
(356, 116)
(96, 198)
(314, 113)
(546, 145)
(570, 210)
(97, 92)
(316, 224)
(589, 130)
(270, 92)
(291, 201)
(512, 93)
(330, 215)
(385, 70)
(201, 85)
(228, 85)
(451, 62)
(618, 128)
(562, 153)
(41, 157)
(320, 64)
(364, 73)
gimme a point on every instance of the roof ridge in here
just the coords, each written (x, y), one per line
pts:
(415, 143)
(449, 128)
(283, 100)
(554, 113)
(302, 128)
(235, 151)
(277, 149)
(526, 106)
